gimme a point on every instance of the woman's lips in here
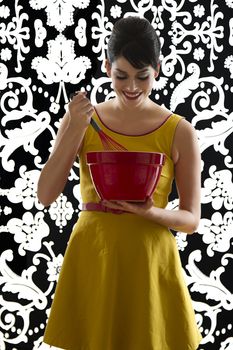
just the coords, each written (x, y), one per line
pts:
(131, 96)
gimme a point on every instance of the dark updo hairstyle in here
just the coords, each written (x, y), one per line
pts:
(135, 39)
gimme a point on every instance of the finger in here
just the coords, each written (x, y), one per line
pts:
(73, 94)
(121, 203)
(149, 199)
(77, 94)
(80, 106)
(111, 204)
(80, 97)
(86, 109)
(126, 205)
(107, 203)
(90, 112)
(84, 104)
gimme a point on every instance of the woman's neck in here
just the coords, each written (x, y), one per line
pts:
(122, 109)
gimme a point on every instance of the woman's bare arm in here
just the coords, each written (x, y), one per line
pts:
(68, 142)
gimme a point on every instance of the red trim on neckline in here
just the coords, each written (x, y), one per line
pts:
(116, 132)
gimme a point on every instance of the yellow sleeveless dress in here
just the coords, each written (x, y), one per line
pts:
(121, 286)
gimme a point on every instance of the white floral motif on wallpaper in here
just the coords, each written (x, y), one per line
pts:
(59, 12)
(217, 232)
(4, 11)
(115, 11)
(218, 189)
(61, 66)
(24, 136)
(80, 32)
(61, 63)
(228, 343)
(60, 211)
(216, 136)
(28, 231)
(210, 32)
(24, 288)
(40, 31)
(212, 287)
(185, 88)
(229, 64)
(229, 3)
(231, 31)
(5, 211)
(6, 54)
(54, 267)
(15, 33)
(101, 33)
(25, 190)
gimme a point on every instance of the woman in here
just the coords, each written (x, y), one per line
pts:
(121, 286)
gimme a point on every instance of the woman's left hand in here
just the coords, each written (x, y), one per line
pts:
(140, 208)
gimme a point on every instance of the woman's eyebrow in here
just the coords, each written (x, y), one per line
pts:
(141, 71)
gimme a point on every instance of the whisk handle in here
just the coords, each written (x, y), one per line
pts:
(95, 125)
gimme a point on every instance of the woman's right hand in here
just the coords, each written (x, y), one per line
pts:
(80, 110)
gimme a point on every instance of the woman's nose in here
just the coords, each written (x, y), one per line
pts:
(132, 85)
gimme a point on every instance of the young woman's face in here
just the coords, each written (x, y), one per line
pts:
(132, 86)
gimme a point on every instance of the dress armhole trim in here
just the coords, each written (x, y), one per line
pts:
(173, 136)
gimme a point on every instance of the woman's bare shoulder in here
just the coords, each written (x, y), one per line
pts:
(185, 138)
(185, 128)
(104, 106)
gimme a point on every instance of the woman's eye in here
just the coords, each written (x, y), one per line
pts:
(143, 78)
(120, 77)
(140, 78)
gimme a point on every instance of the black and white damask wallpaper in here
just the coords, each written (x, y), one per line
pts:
(48, 49)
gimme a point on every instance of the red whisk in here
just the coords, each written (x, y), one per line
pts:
(107, 142)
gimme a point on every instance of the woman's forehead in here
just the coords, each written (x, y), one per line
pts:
(123, 66)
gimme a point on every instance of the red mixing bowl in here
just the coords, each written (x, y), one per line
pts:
(129, 176)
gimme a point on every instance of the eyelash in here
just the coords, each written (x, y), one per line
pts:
(122, 78)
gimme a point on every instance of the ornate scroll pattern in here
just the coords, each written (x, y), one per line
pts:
(48, 49)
